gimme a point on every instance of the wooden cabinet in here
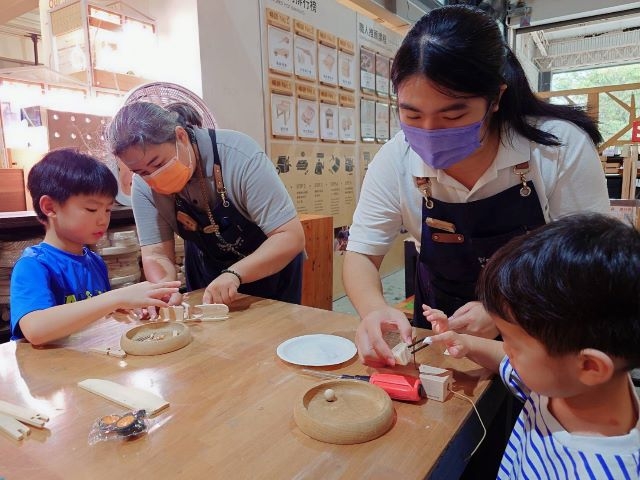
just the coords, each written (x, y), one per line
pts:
(12, 197)
(317, 273)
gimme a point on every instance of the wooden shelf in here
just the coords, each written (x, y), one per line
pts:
(25, 222)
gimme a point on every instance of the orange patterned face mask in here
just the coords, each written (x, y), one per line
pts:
(171, 177)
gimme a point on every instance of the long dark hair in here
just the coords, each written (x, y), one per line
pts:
(461, 49)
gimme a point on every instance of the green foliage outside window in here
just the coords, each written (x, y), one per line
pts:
(612, 116)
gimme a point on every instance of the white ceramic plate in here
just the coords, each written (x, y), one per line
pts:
(316, 350)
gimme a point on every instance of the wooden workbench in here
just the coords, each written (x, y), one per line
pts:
(231, 407)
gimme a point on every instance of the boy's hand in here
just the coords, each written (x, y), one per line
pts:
(151, 312)
(473, 319)
(437, 318)
(457, 344)
(146, 294)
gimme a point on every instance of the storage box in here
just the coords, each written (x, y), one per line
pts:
(627, 210)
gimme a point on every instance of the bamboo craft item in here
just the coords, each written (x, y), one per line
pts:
(155, 338)
(344, 412)
(129, 397)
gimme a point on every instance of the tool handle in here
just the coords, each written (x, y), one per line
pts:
(364, 378)
(399, 387)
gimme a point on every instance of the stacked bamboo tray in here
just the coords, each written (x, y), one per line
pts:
(120, 250)
(10, 252)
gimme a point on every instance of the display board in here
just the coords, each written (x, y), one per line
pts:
(327, 116)
(329, 105)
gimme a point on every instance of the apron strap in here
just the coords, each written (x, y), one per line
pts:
(217, 169)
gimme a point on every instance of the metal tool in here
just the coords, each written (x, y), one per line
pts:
(419, 345)
(399, 387)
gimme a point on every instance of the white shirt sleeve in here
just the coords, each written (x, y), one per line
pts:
(388, 200)
(573, 175)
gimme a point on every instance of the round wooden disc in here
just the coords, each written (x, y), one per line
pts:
(155, 338)
(358, 413)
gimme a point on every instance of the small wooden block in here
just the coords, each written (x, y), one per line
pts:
(401, 354)
(435, 382)
(130, 397)
(429, 370)
(13, 427)
(173, 313)
(23, 414)
(187, 310)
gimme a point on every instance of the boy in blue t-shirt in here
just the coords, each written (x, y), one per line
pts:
(566, 300)
(60, 286)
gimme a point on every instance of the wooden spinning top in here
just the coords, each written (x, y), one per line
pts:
(344, 412)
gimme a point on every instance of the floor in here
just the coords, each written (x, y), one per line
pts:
(392, 287)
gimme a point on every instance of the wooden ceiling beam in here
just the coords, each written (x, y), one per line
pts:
(14, 8)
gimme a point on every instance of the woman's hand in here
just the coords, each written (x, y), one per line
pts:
(473, 319)
(224, 289)
(372, 349)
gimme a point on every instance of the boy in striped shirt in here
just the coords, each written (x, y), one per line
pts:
(566, 300)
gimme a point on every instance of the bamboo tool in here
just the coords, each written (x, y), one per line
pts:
(130, 397)
(110, 351)
(419, 345)
(14, 428)
(23, 414)
(344, 412)
(210, 312)
(155, 338)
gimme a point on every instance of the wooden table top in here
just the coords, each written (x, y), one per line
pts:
(231, 405)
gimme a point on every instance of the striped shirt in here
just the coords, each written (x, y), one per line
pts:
(540, 448)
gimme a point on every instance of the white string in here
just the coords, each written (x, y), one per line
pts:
(484, 430)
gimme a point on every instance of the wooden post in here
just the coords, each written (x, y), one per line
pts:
(317, 272)
(629, 171)
(593, 105)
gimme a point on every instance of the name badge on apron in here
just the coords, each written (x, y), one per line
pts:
(186, 221)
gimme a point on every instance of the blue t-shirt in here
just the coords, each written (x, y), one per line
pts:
(45, 276)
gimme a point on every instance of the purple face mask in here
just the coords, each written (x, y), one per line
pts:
(444, 147)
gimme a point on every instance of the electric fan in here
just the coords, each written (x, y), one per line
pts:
(164, 93)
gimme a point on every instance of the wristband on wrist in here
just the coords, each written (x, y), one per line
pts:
(226, 270)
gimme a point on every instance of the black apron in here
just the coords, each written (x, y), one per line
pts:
(450, 262)
(206, 255)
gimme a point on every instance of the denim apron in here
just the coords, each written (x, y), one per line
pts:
(458, 238)
(207, 254)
